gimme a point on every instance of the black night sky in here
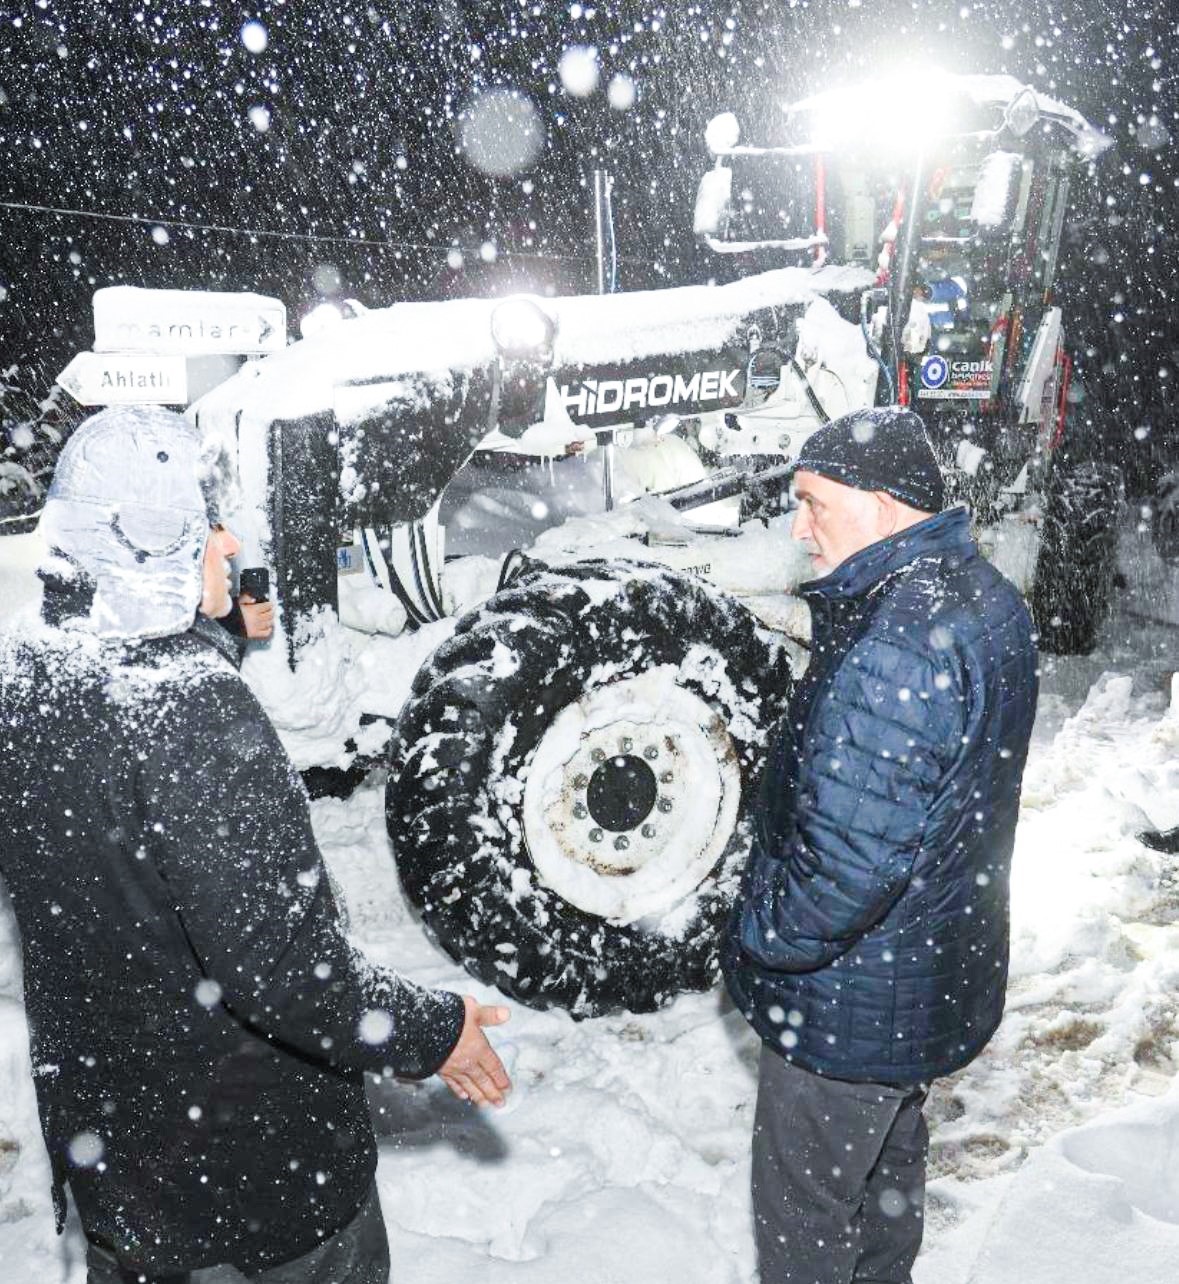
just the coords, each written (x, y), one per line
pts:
(347, 125)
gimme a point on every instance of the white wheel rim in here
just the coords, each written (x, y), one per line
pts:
(595, 844)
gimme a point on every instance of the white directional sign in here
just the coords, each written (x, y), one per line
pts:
(124, 379)
(188, 322)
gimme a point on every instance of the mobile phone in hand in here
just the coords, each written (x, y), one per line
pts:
(255, 581)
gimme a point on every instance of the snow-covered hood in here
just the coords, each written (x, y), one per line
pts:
(427, 343)
(126, 509)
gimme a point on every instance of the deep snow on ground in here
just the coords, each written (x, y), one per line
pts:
(623, 1154)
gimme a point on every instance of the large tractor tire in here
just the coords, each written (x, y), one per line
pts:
(569, 779)
(1077, 562)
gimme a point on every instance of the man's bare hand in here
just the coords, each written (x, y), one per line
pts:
(473, 1072)
(258, 617)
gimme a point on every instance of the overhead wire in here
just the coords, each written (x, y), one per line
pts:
(142, 220)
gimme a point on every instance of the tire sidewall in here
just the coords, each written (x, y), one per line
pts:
(486, 902)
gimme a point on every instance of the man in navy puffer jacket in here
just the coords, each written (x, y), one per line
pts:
(869, 947)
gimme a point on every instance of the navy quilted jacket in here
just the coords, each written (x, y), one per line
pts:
(870, 942)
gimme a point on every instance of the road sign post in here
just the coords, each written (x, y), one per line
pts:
(125, 378)
(187, 322)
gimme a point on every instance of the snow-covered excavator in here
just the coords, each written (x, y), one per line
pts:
(569, 770)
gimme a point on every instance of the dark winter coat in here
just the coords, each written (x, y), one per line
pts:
(199, 1025)
(871, 940)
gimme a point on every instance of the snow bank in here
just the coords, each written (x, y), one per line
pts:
(29, 1247)
(1098, 1204)
(20, 555)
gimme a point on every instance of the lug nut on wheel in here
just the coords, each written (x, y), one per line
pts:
(580, 812)
(595, 835)
(648, 831)
(621, 843)
(598, 755)
(651, 752)
(664, 805)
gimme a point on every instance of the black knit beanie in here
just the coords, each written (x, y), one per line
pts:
(879, 448)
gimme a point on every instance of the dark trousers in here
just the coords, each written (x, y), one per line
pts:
(357, 1254)
(838, 1178)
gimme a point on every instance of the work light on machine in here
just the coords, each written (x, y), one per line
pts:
(521, 328)
(892, 113)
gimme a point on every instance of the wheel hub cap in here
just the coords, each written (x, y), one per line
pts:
(621, 793)
(631, 796)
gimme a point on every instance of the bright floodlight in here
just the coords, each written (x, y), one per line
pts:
(320, 318)
(899, 113)
(521, 327)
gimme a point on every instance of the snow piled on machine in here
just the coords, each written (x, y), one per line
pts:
(614, 328)
(407, 338)
(440, 338)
